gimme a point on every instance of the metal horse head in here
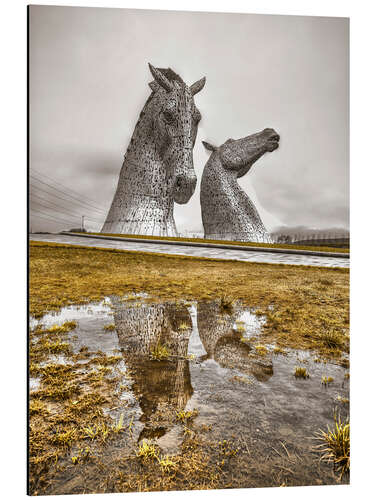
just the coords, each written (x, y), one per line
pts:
(158, 166)
(175, 126)
(239, 155)
(227, 211)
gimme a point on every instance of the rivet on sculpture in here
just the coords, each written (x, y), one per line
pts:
(227, 211)
(158, 165)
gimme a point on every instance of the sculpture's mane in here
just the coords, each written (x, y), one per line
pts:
(171, 75)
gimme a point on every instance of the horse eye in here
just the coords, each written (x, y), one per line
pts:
(168, 116)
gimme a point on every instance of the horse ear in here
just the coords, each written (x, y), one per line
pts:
(198, 86)
(209, 146)
(160, 78)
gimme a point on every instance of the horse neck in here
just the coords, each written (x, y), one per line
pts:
(143, 167)
(217, 178)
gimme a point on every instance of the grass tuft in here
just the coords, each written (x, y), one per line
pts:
(159, 352)
(335, 444)
(55, 346)
(109, 327)
(146, 451)
(279, 350)
(65, 327)
(64, 438)
(119, 426)
(261, 350)
(184, 326)
(342, 400)
(166, 464)
(301, 372)
(332, 339)
(97, 431)
(37, 407)
(326, 380)
(184, 415)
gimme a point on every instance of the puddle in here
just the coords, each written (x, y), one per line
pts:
(34, 383)
(215, 366)
(90, 331)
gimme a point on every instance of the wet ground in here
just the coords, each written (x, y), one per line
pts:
(247, 407)
(214, 253)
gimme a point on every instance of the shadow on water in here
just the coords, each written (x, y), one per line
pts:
(216, 363)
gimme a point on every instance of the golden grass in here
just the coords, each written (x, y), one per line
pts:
(109, 327)
(303, 315)
(185, 415)
(167, 464)
(301, 372)
(183, 326)
(261, 349)
(66, 410)
(147, 451)
(278, 350)
(335, 444)
(65, 327)
(160, 352)
(326, 380)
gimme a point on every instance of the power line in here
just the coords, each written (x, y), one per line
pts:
(62, 211)
(33, 195)
(64, 199)
(50, 217)
(57, 219)
(62, 185)
(67, 194)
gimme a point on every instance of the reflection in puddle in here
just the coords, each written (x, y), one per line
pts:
(224, 343)
(162, 387)
(211, 362)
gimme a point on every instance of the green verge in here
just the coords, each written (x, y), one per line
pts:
(228, 242)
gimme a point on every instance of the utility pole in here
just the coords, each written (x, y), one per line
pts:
(83, 223)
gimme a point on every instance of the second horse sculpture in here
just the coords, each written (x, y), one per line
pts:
(158, 166)
(227, 211)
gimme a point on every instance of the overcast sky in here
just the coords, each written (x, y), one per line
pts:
(88, 83)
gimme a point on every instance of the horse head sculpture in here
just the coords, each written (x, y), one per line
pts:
(227, 211)
(158, 166)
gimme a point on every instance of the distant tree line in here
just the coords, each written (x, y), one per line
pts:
(326, 239)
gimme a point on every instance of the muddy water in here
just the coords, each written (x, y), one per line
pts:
(242, 390)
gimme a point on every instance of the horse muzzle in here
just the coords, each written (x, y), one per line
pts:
(184, 187)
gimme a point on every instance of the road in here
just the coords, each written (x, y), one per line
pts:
(215, 253)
